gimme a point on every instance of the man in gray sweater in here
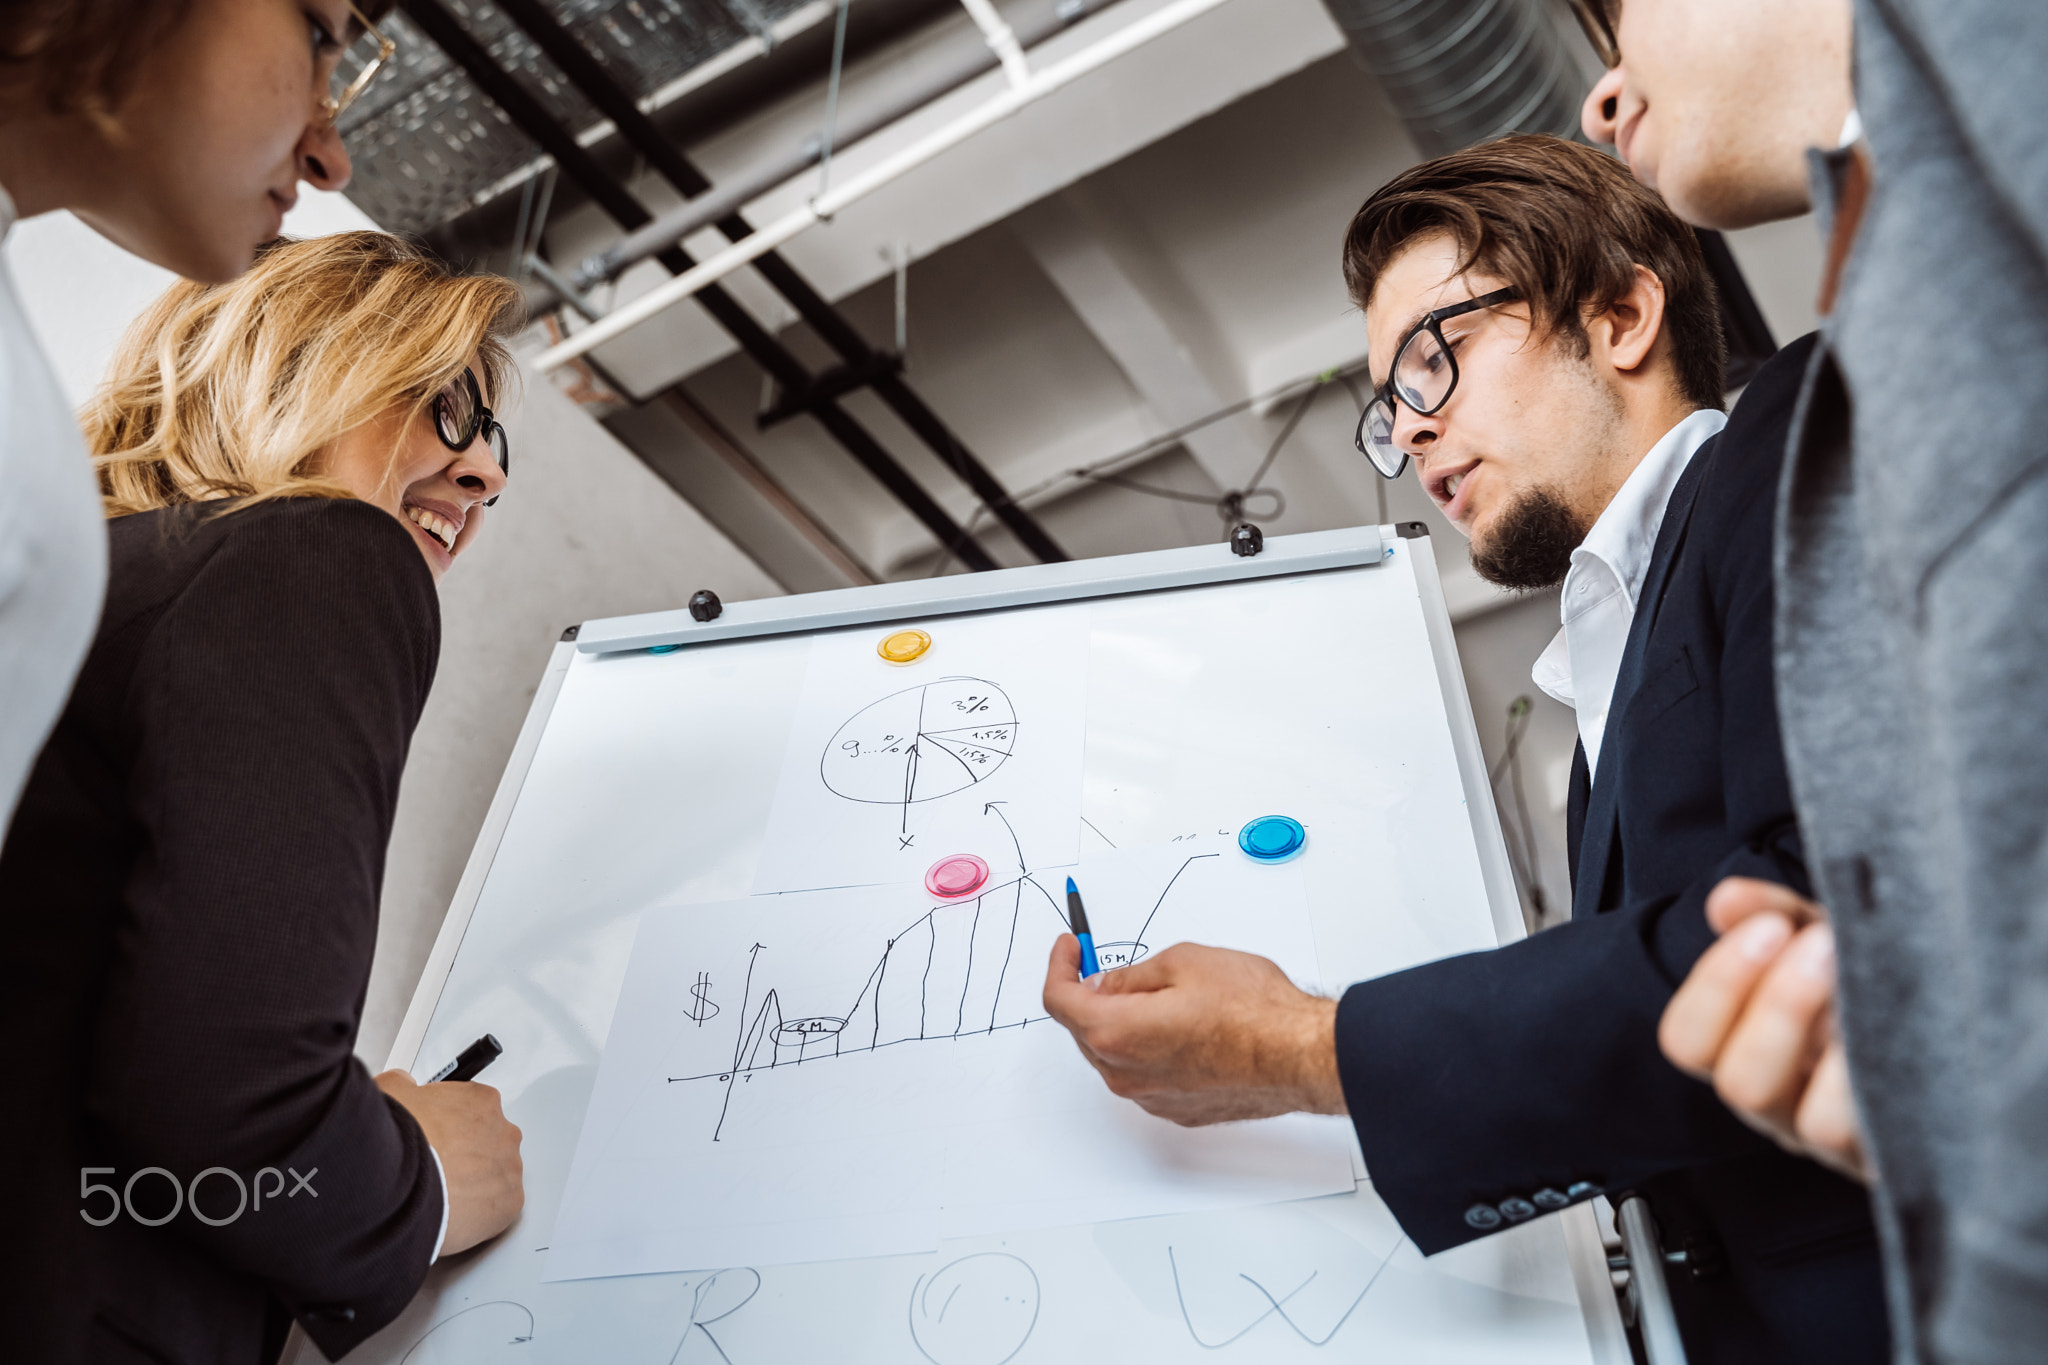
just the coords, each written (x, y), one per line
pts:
(1912, 626)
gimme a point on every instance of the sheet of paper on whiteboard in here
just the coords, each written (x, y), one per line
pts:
(862, 1072)
(973, 749)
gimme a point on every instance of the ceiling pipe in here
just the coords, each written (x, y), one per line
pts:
(588, 75)
(1464, 71)
(679, 222)
(833, 201)
(1001, 40)
(579, 165)
(760, 41)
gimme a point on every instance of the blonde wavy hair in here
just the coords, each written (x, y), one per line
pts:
(231, 391)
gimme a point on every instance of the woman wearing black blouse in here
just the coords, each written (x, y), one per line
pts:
(189, 891)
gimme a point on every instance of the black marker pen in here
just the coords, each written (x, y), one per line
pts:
(474, 1058)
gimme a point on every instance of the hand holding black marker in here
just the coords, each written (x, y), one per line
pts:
(473, 1059)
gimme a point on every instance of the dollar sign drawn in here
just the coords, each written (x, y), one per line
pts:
(700, 1007)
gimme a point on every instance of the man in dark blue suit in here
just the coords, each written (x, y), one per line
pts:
(1547, 351)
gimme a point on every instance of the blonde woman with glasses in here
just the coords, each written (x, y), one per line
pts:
(179, 129)
(288, 463)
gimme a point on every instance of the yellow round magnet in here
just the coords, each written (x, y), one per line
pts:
(904, 647)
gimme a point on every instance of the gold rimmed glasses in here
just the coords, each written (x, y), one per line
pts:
(337, 100)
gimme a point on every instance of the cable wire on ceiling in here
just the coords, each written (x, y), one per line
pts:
(832, 97)
(1165, 440)
(1231, 505)
(1158, 445)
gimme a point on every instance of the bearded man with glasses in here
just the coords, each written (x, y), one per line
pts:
(1546, 351)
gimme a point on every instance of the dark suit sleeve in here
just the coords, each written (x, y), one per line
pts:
(272, 711)
(1487, 1078)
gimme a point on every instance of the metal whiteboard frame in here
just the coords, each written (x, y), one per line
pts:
(1151, 571)
(1114, 576)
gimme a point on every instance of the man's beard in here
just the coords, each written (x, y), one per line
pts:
(1531, 543)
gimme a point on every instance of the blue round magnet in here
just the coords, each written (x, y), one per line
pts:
(1272, 838)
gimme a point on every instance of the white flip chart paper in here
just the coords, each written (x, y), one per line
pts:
(862, 1071)
(975, 748)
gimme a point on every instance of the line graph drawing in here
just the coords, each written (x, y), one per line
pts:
(947, 975)
(921, 744)
(978, 1310)
(882, 1074)
(944, 976)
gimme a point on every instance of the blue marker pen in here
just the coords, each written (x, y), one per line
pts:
(1078, 918)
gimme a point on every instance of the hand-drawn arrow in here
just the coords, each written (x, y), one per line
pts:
(909, 786)
(989, 806)
(740, 1042)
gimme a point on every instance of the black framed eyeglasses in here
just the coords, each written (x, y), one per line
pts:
(1423, 376)
(1594, 18)
(460, 416)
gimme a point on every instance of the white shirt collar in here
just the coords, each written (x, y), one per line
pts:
(7, 213)
(1582, 662)
(1625, 535)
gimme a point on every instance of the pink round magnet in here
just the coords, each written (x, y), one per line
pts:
(956, 877)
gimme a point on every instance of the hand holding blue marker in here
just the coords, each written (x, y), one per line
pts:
(1078, 919)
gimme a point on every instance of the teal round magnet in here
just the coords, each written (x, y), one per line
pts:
(1272, 838)
(663, 649)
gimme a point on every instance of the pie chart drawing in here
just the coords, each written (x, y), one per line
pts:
(922, 743)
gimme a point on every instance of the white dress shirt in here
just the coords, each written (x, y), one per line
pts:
(1599, 602)
(53, 543)
(441, 1237)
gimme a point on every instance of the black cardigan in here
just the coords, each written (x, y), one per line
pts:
(188, 899)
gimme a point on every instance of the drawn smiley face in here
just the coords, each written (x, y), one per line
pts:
(979, 1310)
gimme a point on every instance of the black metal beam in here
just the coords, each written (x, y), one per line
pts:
(576, 163)
(828, 386)
(588, 74)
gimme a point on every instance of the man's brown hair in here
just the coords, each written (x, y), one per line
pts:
(1564, 224)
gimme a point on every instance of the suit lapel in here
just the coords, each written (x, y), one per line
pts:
(1603, 810)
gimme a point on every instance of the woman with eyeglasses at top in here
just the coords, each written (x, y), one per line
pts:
(288, 464)
(180, 130)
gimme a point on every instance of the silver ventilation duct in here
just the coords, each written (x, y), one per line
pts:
(1466, 71)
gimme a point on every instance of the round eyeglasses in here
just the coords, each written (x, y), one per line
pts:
(460, 416)
(1423, 376)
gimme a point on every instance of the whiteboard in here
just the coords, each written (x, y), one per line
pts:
(1318, 679)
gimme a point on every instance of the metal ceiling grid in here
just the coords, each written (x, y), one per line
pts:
(427, 146)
